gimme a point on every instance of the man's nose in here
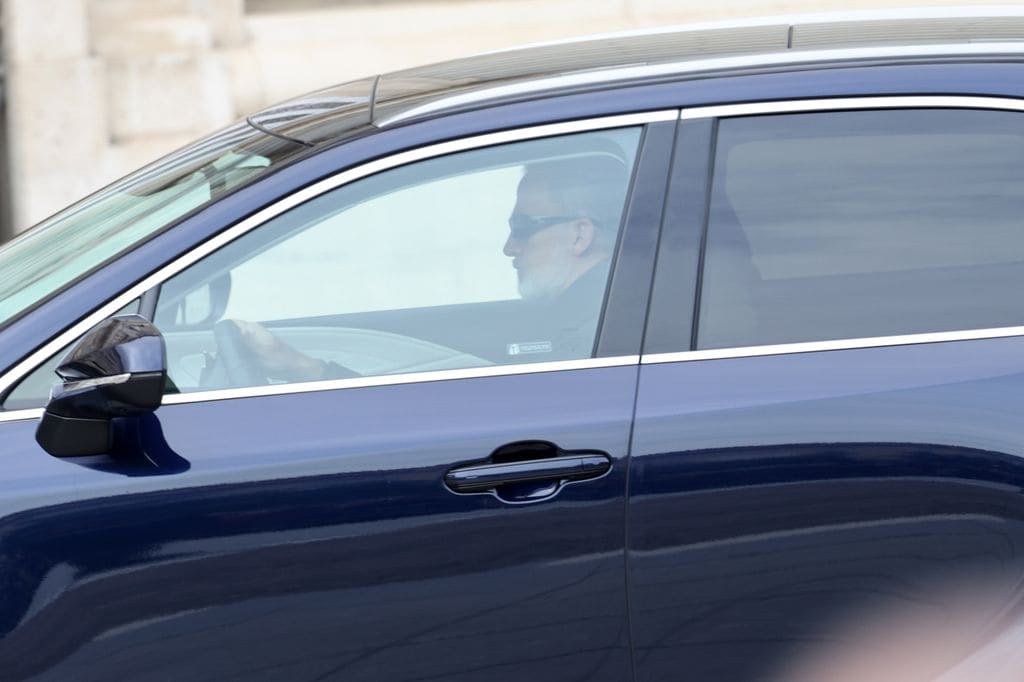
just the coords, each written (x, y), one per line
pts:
(512, 247)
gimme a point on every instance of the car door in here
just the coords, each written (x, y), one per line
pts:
(828, 453)
(446, 499)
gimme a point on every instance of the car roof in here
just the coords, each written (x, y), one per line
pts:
(796, 41)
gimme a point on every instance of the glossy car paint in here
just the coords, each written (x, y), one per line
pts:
(775, 501)
(310, 536)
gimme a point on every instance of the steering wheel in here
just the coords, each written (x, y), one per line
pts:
(242, 366)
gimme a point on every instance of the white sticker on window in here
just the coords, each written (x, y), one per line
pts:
(529, 347)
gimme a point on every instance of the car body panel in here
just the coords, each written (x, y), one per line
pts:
(772, 499)
(312, 533)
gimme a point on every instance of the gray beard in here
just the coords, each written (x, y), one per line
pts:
(544, 284)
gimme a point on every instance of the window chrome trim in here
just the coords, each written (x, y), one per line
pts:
(20, 370)
(702, 66)
(21, 415)
(854, 103)
(839, 344)
(396, 379)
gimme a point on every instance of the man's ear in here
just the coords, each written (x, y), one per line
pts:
(584, 236)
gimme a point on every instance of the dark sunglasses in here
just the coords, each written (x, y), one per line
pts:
(525, 226)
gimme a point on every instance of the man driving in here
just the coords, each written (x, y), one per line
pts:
(562, 234)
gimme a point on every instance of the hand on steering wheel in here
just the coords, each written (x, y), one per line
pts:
(252, 356)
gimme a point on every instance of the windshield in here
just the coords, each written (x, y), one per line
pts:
(68, 245)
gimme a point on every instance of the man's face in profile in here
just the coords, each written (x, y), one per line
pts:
(544, 249)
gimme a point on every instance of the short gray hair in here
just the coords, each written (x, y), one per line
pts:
(592, 186)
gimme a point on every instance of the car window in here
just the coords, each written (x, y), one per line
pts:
(863, 223)
(41, 261)
(490, 256)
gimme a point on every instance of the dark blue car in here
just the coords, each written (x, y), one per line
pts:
(690, 354)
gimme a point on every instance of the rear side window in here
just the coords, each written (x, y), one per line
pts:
(858, 224)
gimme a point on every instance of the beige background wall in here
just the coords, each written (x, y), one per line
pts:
(96, 88)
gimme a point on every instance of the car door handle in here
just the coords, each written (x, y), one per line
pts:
(481, 477)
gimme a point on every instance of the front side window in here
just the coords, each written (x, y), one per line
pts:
(856, 224)
(490, 256)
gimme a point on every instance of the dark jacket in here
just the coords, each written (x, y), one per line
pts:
(564, 327)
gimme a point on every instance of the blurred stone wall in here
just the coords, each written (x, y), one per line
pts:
(96, 88)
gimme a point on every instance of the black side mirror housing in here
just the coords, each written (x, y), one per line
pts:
(118, 369)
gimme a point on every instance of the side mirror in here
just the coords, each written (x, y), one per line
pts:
(118, 369)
